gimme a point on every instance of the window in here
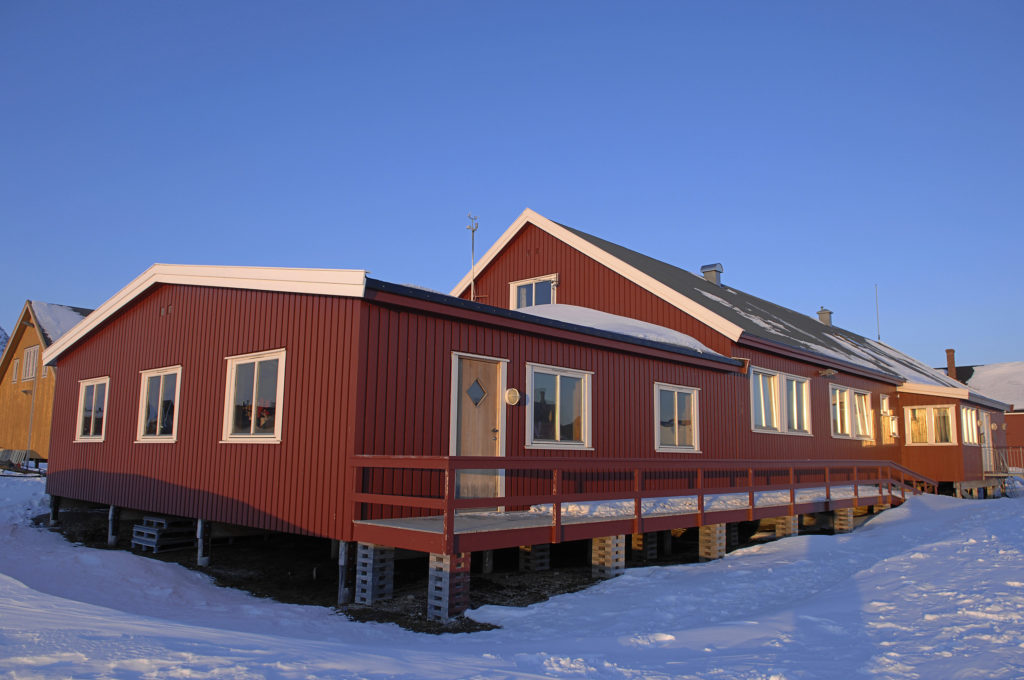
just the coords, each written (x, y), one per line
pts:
(28, 364)
(92, 408)
(890, 423)
(254, 397)
(851, 412)
(930, 425)
(529, 292)
(675, 416)
(158, 404)
(559, 407)
(971, 425)
(14, 370)
(774, 394)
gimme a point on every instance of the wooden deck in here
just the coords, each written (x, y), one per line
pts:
(573, 521)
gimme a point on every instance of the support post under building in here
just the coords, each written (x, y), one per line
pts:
(711, 542)
(113, 520)
(842, 520)
(787, 525)
(535, 557)
(644, 547)
(448, 586)
(375, 573)
(608, 556)
(346, 572)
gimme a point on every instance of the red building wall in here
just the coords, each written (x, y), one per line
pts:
(260, 485)
(1015, 429)
(587, 283)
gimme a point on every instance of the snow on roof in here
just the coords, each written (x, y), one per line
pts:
(56, 320)
(1004, 382)
(592, 318)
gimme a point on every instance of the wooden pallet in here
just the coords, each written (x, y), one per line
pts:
(163, 534)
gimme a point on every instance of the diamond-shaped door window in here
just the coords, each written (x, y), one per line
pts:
(476, 393)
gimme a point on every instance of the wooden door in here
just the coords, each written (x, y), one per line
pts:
(478, 401)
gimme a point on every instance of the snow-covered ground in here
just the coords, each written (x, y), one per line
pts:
(933, 589)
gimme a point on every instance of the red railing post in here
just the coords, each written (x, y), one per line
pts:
(828, 486)
(556, 506)
(637, 507)
(856, 487)
(449, 510)
(792, 490)
(750, 493)
(700, 497)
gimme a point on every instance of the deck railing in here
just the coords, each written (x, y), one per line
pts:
(411, 486)
(1005, 460)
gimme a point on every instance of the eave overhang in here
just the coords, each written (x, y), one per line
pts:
(337, 282)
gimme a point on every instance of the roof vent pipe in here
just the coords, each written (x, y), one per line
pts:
(713, 273)
(951, 363)
(825, 316)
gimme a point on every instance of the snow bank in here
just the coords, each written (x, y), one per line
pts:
(933, 589)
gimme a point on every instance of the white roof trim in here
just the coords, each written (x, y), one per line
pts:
(934, 390)
(337, 282)
(652, 285)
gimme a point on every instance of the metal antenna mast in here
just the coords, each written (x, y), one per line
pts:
(473, 226)
(878, 325)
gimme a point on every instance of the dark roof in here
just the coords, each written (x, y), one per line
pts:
(777, 324)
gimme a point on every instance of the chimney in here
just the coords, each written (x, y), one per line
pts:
(825, 316)
(951, 363)
(713, 273)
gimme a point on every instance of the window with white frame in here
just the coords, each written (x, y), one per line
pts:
(971, 423)
(851, 412)
(558, 407)
(780, 402)
(890, 423)
(92, 409)
(28, 364)
(158, 404)
(254, 397)
(536, 291)
(930, 425)
(675, 418)
(14, 370)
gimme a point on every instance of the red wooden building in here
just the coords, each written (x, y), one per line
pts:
(1005, 382)
(326, 403)
(862, 397)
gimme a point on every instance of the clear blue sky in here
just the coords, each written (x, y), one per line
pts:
(814, 148)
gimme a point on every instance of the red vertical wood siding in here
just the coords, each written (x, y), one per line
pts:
(585, 282)
(948, 462)
(294, 486)
(1014, 429)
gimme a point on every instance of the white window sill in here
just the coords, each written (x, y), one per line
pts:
(157, 440)
(852, 437)
(758, 430)
(89, 440)
(675, 449)
(251, 440)
(558, 445)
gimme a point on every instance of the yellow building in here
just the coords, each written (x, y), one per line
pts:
(26, 385)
